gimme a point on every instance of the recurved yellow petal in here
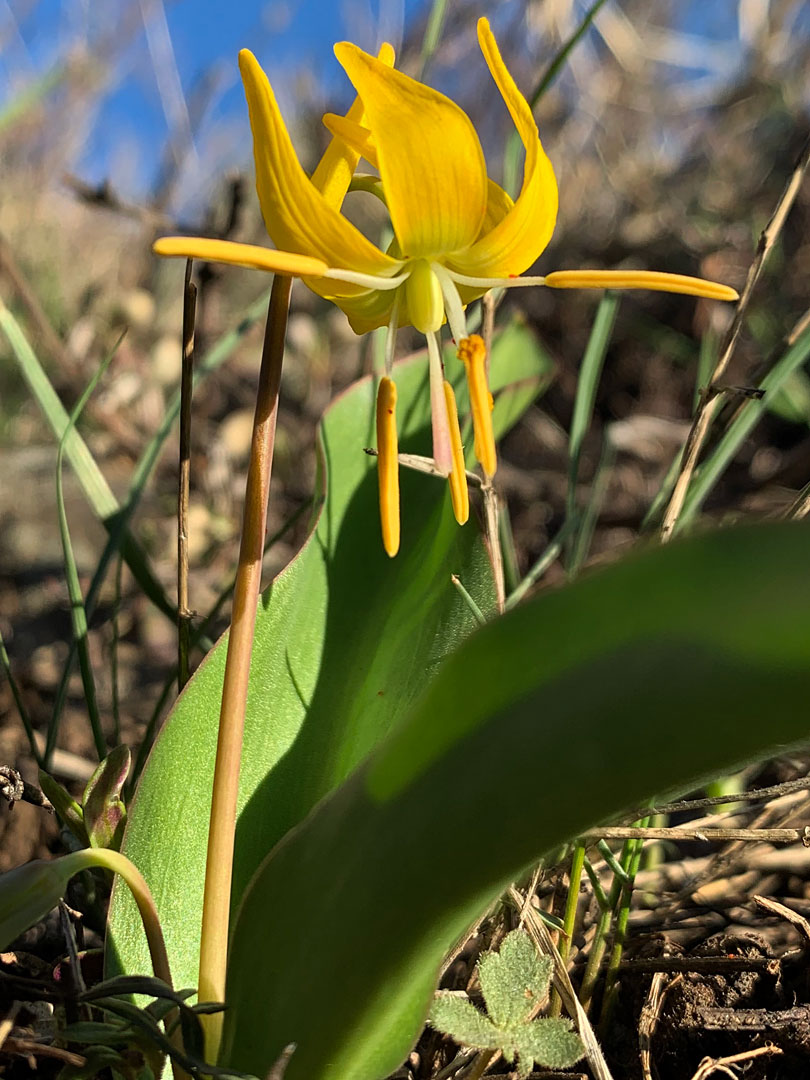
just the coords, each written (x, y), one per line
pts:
(640, 279)
(459, 493)
(226, 251)
(430, 159)
(296, 214)
(388, 464)
(520, 236)
(334, 171)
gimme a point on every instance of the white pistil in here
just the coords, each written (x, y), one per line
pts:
(369, 281)
(516, 282)
(442, 446)
(452, 302)
(391, 337)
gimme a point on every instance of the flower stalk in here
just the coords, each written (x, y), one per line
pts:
(219, 861)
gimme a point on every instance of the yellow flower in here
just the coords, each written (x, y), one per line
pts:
(457, 234)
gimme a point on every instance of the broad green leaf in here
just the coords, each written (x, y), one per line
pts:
(346, 638)
(646, 677)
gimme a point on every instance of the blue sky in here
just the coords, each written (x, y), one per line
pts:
(119, 130)
(292, 39)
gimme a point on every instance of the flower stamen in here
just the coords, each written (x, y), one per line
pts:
(459, 494)
(388, 464)
(442, 448)
(640, 279)
(472, 352)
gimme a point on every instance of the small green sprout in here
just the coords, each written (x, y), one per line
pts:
(513, 982)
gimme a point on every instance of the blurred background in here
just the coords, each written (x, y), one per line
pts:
(673, 127)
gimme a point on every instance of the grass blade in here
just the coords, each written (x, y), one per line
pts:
(587, 384)
(78, 614)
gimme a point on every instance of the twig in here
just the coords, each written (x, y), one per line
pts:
(14, 789)
(184, 613)
(800, 507)
(757, 795)
(29, 1048)
(784, 912)
(771, 836)
(710, 1065)
(425, 465)
(648, 1020)
(711, 397)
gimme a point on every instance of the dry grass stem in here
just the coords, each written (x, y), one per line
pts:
(774, 791)
(784, 912)
(771, 836)
(711, 396)
(562, 984)
(710, 1065)
(648, 1021)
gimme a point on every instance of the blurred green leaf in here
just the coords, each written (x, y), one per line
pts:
(345, 640)
(649, 676)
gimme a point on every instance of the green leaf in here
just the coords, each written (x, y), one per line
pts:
(514, 980)
(345, 640)
(456, 1016)
(70, 813)
(646, 677)
(27, 894)
(549, 1043)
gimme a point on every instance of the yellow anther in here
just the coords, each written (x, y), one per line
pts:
(640, 279)
(458, 477)
(388, 464)
(473, 353)
(424, 296)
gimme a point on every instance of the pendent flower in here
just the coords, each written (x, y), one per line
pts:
(457, 234)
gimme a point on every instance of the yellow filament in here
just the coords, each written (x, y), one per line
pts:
(473, 353)
(388, 464)
(458, 476)
(640, 279)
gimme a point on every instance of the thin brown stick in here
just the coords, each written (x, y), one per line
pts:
(774, 791)
(710, 1065)
(711, 396)
(184, 613)
(773, 907)
(770, 836)
(648, 1021)
(219, 861)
